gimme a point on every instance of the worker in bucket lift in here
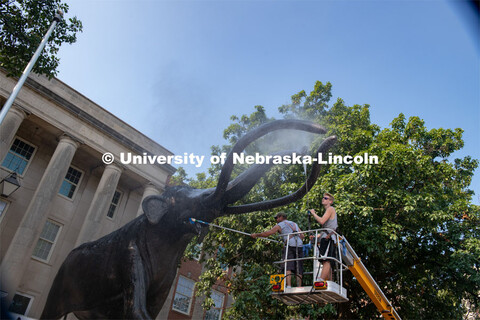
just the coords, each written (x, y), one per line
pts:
(327, 238)
(295, 246)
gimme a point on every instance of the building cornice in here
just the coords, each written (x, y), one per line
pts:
(91, 120)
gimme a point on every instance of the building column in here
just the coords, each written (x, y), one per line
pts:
(100, 203)
(150, 189)
(20, 250)
(9, 128)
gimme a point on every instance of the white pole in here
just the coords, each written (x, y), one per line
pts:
(58, 17)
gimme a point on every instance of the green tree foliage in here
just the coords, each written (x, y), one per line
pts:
(23, 24)
(409, 217)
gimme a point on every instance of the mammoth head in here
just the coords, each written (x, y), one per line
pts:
(181, 203)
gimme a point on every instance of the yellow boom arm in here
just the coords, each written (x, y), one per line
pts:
(362, 275)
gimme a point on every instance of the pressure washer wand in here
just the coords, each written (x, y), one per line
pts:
(193, 220)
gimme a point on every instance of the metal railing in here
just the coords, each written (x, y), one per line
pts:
(316, 257)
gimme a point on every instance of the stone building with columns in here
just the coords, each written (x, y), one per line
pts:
(54, 138)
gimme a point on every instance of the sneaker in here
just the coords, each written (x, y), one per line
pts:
(289, 287)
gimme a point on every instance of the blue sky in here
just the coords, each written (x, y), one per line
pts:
(177, 70)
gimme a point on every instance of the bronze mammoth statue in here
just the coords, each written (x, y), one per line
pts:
(128, 273)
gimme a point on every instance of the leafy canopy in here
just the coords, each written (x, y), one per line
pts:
(23, 24)
(409, 217)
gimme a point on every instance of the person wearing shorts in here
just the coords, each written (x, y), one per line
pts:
(295, 246)
(327, 238)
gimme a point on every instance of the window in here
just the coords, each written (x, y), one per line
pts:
(18, 156)
(114, 204)
(20, 304)
(43, 249)
(70, 183)
(197, 249)
(220, 258)
(215, 312)
(183, 295)
(3, 208)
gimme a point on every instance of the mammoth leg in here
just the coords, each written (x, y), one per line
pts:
(57, 299)
(135, 299)
(157, 296)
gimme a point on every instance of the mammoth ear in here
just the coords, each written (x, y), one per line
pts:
(154, 208)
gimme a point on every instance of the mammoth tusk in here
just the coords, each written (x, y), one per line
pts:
(248, 138)
(269, 204)
(242, 184)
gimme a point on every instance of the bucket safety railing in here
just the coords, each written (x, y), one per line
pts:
(315, 256)
(345, 259)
